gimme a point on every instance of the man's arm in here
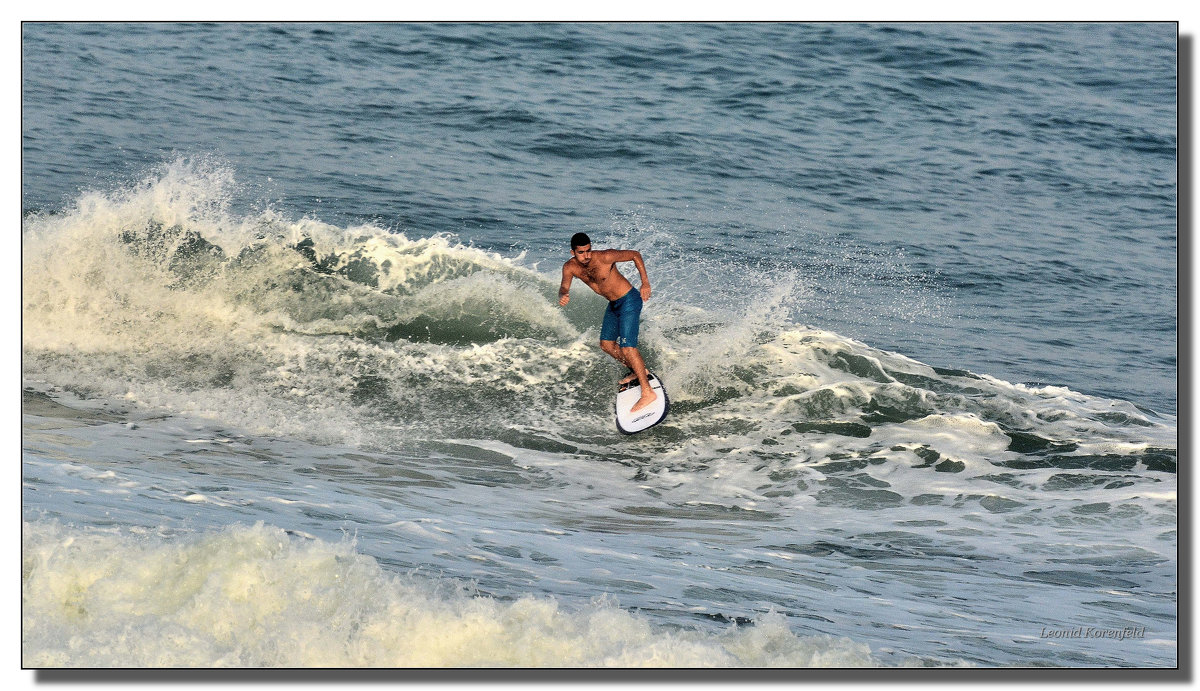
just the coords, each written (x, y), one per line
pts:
(564, 290)
(635, 257)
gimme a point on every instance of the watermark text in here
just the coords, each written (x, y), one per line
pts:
(1085, 632)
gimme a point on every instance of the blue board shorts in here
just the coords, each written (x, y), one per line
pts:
(621, 320)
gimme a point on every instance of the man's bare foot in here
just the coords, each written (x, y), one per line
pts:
(645, 400)
(628, 378)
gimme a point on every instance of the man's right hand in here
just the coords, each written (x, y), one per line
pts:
(563, 300)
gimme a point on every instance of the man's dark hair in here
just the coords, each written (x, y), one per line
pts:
(579, 240)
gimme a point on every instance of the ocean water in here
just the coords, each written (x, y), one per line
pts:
(297, 390)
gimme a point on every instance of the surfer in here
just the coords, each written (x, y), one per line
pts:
(619, 332)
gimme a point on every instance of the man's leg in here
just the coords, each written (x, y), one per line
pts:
(609, 333)
(628, 323)
(615, 351)
(634, 359)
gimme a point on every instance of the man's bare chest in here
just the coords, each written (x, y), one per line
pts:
(596, 274)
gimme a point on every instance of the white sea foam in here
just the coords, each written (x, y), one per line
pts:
(251, 596)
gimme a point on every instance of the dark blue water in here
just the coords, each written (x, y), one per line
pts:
(995, 197)
(914, 297)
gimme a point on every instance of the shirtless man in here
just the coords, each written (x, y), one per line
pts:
(618, 334)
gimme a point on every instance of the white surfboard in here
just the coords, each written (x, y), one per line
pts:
(628, 394)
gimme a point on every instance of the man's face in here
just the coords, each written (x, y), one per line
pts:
(583, 254)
